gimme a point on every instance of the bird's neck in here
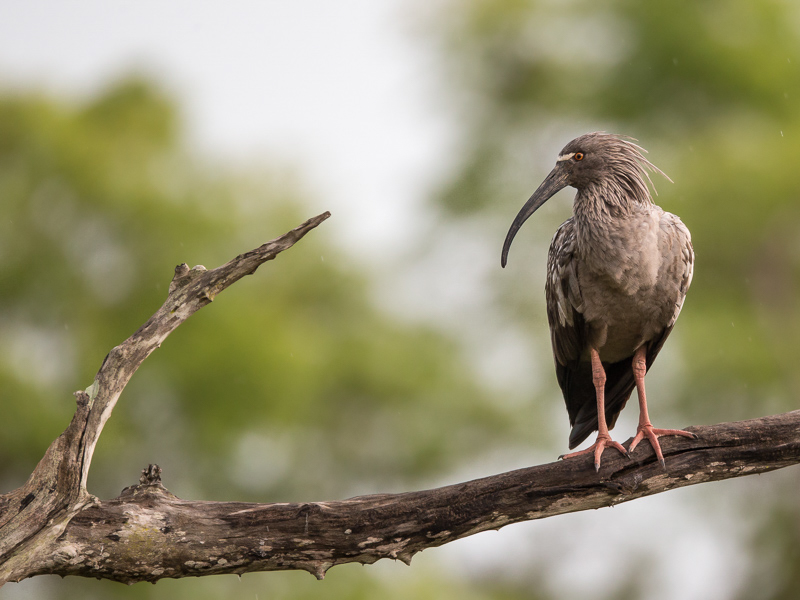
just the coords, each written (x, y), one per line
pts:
(611, 198)
(606, 213)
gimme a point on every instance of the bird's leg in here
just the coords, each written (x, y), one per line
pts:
(646, 429)
(603, 437)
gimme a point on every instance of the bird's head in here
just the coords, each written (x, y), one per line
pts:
(593, 159)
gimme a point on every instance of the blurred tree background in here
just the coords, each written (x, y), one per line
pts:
(320, 378)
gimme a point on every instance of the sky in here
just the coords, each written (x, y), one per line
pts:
(338, 90)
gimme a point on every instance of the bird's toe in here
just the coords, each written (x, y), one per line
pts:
(596, 449)
(652, 434)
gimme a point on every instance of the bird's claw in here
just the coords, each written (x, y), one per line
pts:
(602, 442)
(652, 434)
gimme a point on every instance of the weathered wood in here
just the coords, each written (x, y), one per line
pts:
(34, 515)
(53, 525)
(147, 533)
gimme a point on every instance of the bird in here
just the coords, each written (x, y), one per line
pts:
(617, 275)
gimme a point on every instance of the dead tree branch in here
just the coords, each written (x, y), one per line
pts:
(33, 516)
(52, 525)
(147, 533)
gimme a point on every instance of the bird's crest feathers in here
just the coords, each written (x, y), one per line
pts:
(626, 159)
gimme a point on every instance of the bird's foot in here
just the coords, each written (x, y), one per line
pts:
(652, 434)
(597, 448)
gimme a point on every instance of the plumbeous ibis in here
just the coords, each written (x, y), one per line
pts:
(617, 274)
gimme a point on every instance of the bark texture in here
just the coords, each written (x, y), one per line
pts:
(147, 533)
(33, 516)
(52, 525)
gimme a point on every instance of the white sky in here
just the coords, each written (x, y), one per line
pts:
(339, 88)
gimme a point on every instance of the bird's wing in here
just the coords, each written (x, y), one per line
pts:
(563, 297)
(686, 262)
(681, 247)
(567, 325)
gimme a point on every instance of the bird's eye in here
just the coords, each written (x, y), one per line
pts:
(578, 156)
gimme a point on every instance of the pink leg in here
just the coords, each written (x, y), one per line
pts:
(646, 429)
(603, 437)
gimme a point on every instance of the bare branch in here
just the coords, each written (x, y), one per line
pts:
(33, 516)
(147, 533)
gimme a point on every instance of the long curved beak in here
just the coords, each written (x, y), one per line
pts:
(555, 181)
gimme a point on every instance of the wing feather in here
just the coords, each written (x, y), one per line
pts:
(563, 297)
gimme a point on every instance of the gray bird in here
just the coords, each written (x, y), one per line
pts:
(617, 274)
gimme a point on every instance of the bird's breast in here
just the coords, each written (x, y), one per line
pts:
(622, 255)
(621, 269)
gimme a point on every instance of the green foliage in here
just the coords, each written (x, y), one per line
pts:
(353, 582)
(100, 202)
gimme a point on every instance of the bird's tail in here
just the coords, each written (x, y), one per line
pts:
(581, 400)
